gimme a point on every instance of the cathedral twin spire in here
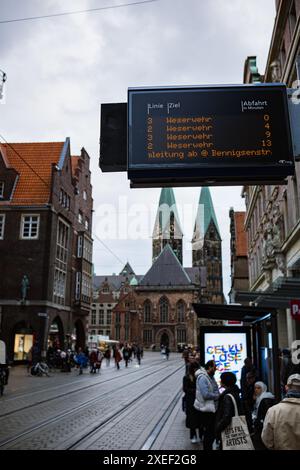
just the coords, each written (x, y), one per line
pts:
(167, 228)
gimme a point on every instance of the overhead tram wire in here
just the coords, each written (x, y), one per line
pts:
(76, 12)
(49, 187)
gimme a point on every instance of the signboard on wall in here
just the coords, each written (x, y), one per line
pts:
(228, 350)
(295, 309)
(208, 135)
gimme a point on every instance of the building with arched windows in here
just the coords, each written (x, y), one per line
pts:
(159, 309)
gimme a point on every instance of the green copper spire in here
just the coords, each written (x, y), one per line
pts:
(208, 210)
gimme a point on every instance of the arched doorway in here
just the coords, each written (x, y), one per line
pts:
(79, 335)
(165, 339)
(56, 334)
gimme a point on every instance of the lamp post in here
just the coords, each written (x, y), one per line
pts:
(3, 78)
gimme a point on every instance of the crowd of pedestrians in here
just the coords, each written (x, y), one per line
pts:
(210, 409)
(66, 360)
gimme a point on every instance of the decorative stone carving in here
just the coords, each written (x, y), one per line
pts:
(281, 263)
(275, 71)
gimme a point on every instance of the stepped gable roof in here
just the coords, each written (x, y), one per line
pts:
(33, 162)
(165, 271)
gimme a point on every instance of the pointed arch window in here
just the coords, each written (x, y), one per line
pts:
(180, 311)
(164, 310)
(147, 312)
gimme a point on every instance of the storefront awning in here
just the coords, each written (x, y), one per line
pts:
(279, 295)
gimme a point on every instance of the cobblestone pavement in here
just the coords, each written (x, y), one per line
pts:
(118, 409)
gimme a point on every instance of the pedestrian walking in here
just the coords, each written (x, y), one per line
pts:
(93, 361)
(226, 409)
(167, 352)
(126, 354)
(192, 421)
(281, 429)
(118, 357)
(207, 395)
(107, 356)
(138, 354)
(81, 360)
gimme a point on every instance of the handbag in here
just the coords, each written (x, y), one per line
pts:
(236, 436)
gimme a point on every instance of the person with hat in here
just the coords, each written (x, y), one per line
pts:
(281, 430)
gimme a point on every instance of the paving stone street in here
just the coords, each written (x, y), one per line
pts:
(133, 408)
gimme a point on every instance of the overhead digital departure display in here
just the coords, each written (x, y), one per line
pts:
(186, 129)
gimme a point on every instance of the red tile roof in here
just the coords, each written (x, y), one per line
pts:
(33, 187)
(241, 240)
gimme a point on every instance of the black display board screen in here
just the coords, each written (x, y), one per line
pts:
(218, 127)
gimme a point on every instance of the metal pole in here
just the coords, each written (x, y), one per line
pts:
(275, 350)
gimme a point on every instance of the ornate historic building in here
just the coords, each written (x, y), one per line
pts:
(46, 245)
(273, 212)
(207, 248)
(159, 310)
(238, 254)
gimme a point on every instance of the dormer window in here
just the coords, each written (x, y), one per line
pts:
(1, 189)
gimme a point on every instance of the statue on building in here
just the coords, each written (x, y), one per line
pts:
(275, 71)
(24, 287)
(281, 264)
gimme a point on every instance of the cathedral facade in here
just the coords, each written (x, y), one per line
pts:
(159, 309)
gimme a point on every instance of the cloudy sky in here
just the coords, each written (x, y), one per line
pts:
(59, 70)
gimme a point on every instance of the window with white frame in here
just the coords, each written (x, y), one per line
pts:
(86, 223)
(101, 317)
(87, 249)
(108, 317)
(30, 227)
(84, 195)
(181, 336)
(2, 223)
(61, 261)
(1, 189)
(86, 287)
(80, 217)
(147, 336)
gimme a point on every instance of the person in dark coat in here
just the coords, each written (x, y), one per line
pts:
(226, 410)
(247, 367)
(263, 401)
(192, 415)
(248, 398)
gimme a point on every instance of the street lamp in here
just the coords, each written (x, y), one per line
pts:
(3, 78)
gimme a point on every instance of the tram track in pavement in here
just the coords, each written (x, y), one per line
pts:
(61, 416)
(154, 431)
(69, 392)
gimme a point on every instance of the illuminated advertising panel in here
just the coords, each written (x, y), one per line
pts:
(229, 350)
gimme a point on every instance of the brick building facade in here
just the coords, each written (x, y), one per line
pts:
(45, 246)
(272, 217)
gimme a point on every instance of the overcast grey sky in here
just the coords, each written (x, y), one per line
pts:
(59, 70)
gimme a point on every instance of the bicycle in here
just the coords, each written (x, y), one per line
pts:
(39, 369)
